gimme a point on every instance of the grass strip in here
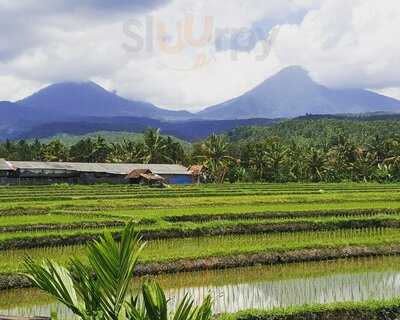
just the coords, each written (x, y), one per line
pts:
(371, 310)
(206, 201)
(218, 246)
(44, 235)
(148, 267)
(279, 215)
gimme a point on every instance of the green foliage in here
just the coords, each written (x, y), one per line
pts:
(213, 154)
(228, 224)
(97, 291)
(150, 147)
(373, 310)
(100, 289)
(308, 149)
(155, 306)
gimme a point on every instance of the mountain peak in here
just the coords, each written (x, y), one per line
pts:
(291, 74)
(88, 99)
(292, 92)
(72, 85)
(293, 70)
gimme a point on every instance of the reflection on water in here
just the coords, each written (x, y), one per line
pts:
(258, 287)
(267, 295)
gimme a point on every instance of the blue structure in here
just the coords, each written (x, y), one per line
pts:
(180, 179)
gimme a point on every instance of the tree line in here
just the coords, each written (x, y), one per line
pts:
(153, 149)
(268, 159)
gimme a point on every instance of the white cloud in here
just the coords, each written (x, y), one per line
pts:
(393, 92)
(347, 43)
(344, 43)
(15, 88)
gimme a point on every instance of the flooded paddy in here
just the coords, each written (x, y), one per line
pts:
(262, 287)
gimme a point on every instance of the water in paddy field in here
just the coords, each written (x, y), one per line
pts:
(262, 287)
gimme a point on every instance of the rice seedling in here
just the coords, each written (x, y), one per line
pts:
(329, 216)
(262, 287)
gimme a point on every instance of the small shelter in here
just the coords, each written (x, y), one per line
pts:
(145, 176)
(152, 179)
(135, 175)
(197, 173)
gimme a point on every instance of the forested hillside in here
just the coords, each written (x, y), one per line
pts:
(306, 149)
(320, 130)
(110, 137)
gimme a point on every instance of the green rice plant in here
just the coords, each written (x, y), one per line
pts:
(48, 219)
(43, 235)
(221, 246)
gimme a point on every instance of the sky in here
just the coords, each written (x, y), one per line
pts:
(188, 54)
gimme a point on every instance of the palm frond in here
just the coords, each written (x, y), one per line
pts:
(55, 280)
(114, 263)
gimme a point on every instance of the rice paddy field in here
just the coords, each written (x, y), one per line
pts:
(250, 245)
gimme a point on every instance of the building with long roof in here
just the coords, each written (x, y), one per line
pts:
(36, 172)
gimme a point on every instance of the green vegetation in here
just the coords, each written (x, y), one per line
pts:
(365, 279)
(151, 148)
(237, 218)
(371, 310)
(309, 149)
(200, 227)
(109, 136)
(320, 130)
(101, 288)
(221, 246)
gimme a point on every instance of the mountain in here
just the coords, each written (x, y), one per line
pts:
(292, 93)
(9, 116)
(84, 107)
(186, 130)
(87, 99)
(14, 119)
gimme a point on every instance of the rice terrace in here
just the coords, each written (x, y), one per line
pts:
(199, 160)
(251, 246)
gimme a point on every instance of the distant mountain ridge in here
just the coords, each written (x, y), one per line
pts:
(71, 105)
(74, 101)
(88, 99)
(292, 93)
(186, 130)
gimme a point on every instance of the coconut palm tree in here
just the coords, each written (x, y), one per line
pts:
(215, 157)
(126, 152)
(364, 166)
(275, 160)
(101, 289)
(154, 147)
(55, 151)
(8, 150)
(100, 150)
(174, 151)
(82, 150)
(316, 165)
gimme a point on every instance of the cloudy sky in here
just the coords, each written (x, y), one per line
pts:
(187, 54)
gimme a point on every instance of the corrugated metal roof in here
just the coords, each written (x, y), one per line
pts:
(6, 166)
(114, 168)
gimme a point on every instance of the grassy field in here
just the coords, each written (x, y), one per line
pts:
(193, 222)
